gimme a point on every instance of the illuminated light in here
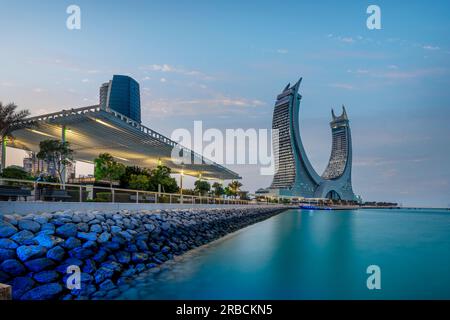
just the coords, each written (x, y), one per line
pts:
(41, 133)
(120, 158)
(182, 172)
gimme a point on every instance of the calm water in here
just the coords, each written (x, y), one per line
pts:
(314, 255)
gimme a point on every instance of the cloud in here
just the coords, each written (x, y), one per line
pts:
(166, 68)
(282, 51)
(344, 86)
(85, 80)
(347, 39)
(429, 47)
(163, 80)
(192, 107)
(38, 90)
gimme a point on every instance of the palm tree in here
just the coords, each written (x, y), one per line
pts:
(234, 187)
(10, 120)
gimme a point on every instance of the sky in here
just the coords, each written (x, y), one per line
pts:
(224, 62)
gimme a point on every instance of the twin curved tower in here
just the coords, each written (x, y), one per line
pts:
(294, 175)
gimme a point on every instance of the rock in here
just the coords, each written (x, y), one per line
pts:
(46, 276)
(7, 254)
(92, 236)
(151, 265)
(102, 274)
(123, 257)
(113, 265)
(24, 237)
(118, 239)
(57, 253)
(43, 292)
(6, 229)
(100, 256)
(85, 290)
(138, 257)
(4, 277)
(89, 266)
(107, 285)
(126, 235)
(103, 237)
(13, 267)
(154, 247)
(20, 285)
(29, 225)
(47, 241)
(131, 248)
(27, 252)
(83, 227)
(39, 264)
(115, 229)
(8, 244)
(165, 249)
(113, 246)
(81, 253)
(142, 245)
(67, 230)
(48, 226)
(40, 219)
(96, 228)
(129, 272)
(90, 245)
(140, 267)
(71, 243)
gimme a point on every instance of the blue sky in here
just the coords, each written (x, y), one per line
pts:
(224, 62)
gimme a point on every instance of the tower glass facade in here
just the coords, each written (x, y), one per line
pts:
(122, 95)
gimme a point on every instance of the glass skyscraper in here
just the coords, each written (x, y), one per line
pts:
(122, 95)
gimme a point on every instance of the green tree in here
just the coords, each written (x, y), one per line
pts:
(133, 170)
(58, 153)
(15, 172)
(202, 187)
(139, 182)
(218, 189)
(234, 187)
(10, 120)
(106, 168)
(161, 175)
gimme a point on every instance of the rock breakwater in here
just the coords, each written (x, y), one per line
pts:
(39, 251)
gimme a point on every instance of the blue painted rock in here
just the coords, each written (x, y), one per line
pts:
(20, 285)
(43, 292)
(47, 241)
(7, 254)
(57, 253)
(123, 257)
(71, 243)
(103, 237)
(102, 274)
(6, 229)
(33, 251)
(83, 227)
(84, 291)
(131, 248)
(113, 265)
(115, 229)
(165, 249)
(140, 267)
(129, 272)
(92, 236)
(107, 285)
(154, 247)
(96, 228)
(67, 230)
(100, 256)
(46, 276)
(24, 237)
(81, 253)
(142, 245)
(90, 245)
(29, 225)
(89, 266)
(13, 267)
(39, 264)
(8, 244)
(111, 245)
(138, 257)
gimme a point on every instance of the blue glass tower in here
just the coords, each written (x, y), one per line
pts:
(122, 95)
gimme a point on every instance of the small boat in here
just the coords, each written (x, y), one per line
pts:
(312, 207)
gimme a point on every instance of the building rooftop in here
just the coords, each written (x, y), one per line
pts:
(93, 130)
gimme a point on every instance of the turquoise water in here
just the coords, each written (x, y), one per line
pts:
(314, 255)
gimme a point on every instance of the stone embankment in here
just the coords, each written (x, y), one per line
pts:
(39, 252)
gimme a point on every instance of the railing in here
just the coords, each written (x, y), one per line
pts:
(51, 191)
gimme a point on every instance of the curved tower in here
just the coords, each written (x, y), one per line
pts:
(294, 175)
